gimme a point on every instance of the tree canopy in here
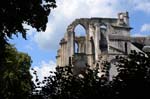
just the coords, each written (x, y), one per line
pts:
(15, 13)
(15, 78)
(132, 81)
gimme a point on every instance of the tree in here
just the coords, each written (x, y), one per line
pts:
(15, 13)
(14, 66)
(15, 78)
(63, 84)
(133, 79)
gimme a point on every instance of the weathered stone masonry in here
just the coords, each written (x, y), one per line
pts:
(105, 38)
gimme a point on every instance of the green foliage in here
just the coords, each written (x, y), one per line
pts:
(63, 84)
(132, 81)
(15, 77)
(15, 13)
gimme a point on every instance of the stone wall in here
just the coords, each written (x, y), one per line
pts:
(104, 39)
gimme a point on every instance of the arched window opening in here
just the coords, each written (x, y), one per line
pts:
(103, 28)
(103, 39)
(76, 47)
(80, 31)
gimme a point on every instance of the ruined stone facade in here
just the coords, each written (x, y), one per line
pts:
(105, 38)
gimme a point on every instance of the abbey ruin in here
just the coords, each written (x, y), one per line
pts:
(104, 39)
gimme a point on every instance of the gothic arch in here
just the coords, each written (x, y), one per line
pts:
(79, 30)
(71, 36)
(82, 22)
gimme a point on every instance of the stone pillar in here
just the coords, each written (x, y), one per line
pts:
(123, 18)
(66, 55)
(70, 44)
(61, 57)
(126, 18)
(63, 52)
(91, 44)
(91, 35)
(81, 43)
(61, 49)
(97, 39)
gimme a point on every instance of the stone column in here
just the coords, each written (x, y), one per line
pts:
(70, 44)
(82, 44)
(97, 39)
(90, 44)
(91, 35)
(61, 56)
(126, 18)
(61, 64)
(65, 54)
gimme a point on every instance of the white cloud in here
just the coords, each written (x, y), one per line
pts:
(143, 5)
(30, 30)
(145, 28)
(67, 11)
(43, 70)
(139, 35)
(140, 5)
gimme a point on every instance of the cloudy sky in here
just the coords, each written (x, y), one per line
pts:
(42, 46)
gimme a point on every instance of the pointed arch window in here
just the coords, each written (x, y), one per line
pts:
(80, 30)
(76, 47)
